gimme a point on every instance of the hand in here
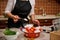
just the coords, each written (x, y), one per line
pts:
(15, 18)
(21, 28)
(36, 22)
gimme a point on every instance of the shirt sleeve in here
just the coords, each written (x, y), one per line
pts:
(9, 6)
(33, 5)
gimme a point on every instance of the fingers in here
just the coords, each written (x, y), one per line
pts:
(36, 22)
(16, 18)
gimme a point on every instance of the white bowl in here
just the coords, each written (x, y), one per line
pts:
(12, 37)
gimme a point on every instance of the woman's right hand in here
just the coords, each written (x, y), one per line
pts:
(16, 18)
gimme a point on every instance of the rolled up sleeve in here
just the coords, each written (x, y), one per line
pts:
(9, 6)
(33, 5)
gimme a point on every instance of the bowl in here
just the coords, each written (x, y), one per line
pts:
(12, 37)
(32, 35)
(28, 25)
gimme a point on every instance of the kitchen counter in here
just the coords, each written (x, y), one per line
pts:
(36, 17)
(3, 18)
(43, 35)
(46, 17)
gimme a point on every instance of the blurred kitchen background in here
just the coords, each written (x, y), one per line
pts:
(47, 12)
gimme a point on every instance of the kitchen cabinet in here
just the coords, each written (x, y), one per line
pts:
(3, 23)
(45, 22)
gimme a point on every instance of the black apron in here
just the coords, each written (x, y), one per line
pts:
(22, 9)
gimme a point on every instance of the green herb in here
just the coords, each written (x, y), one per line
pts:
(9, 32)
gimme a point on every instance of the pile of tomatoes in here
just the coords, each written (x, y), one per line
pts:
(33, 29)
(32, 32)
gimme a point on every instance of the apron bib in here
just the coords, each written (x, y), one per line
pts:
(22, 9)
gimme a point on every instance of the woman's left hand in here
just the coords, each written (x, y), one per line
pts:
(36, 22)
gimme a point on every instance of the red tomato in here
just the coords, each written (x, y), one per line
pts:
(27, 29)
(32, 29)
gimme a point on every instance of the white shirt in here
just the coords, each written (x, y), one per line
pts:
(11, 4)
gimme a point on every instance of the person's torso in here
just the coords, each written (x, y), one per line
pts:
(22, 8)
